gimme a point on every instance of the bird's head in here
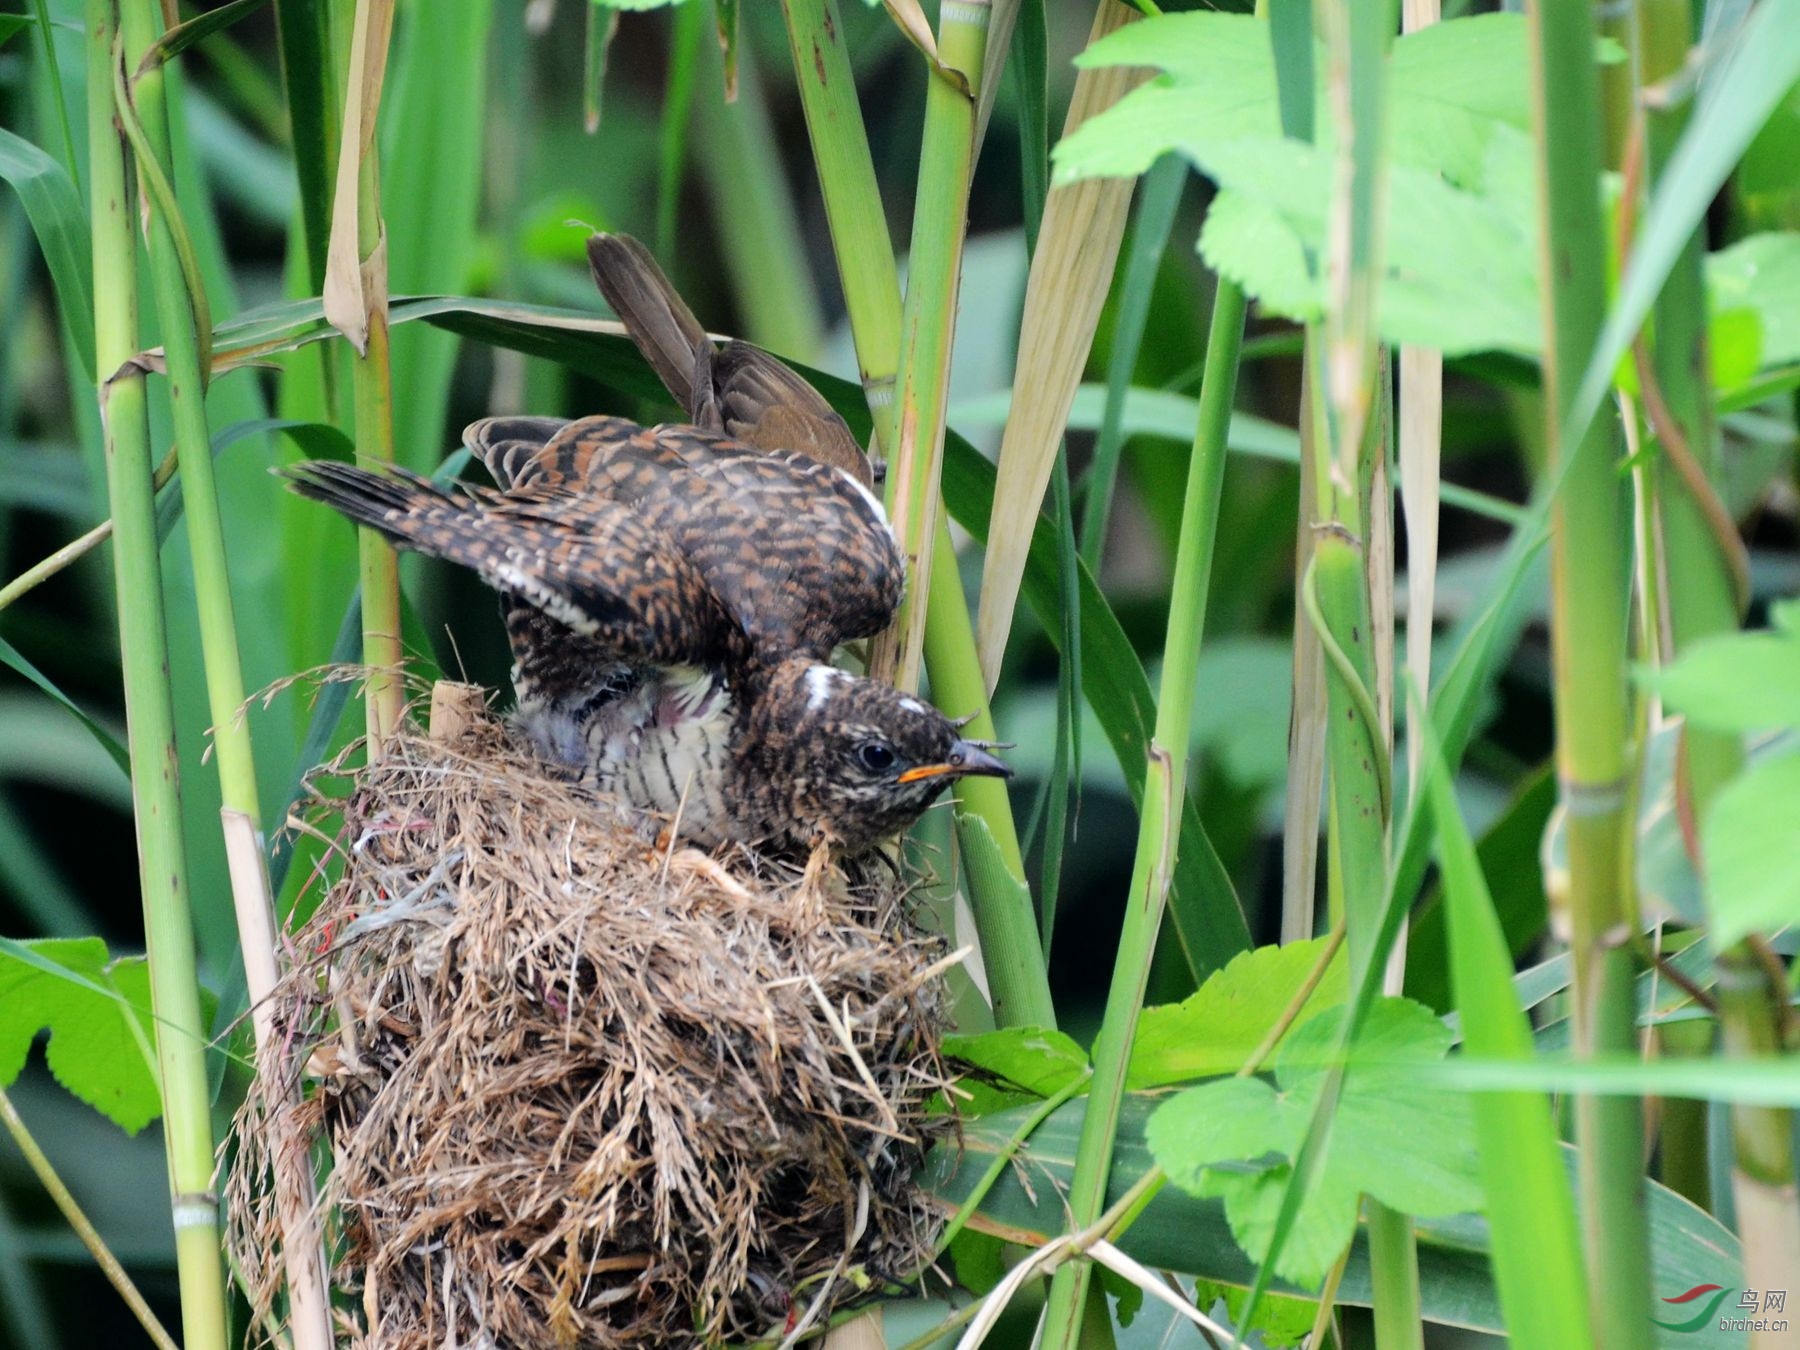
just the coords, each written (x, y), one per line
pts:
(866, 759)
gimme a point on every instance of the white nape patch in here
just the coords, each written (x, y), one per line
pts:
(819, 680)
(912, 705)
(869, 497)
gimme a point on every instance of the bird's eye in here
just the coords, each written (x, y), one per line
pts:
(875, 756)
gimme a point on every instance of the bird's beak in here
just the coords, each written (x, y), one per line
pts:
(965, 759)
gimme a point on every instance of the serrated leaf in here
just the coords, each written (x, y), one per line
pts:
(1451, 87)
(1735, 681)
(1280, 1320)
(97, 1014)
(1410, 1146)
(1040, 1060)
(1213, 1030)
(1461, 270)
(1752, 851)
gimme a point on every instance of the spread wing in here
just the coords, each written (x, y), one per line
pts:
(739, 390)
(588, 562)
(798, 553)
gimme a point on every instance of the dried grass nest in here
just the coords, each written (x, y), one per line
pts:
(576, 1088)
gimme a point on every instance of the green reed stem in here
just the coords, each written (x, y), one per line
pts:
(372, 386)
(1702, 600)
(928, 318)
(1165, 788)
(246, 851)
(865, 257)
(141, 21)
(1354, 407)
(149, 708)
(1589, 544)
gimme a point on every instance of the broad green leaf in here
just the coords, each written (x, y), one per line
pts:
(1207, 1139)
(1451, 87)
(1041, 1060)
(1752, 850)
(1179, 1232)
(1407, 1144)
(1738, 681)
(1213, 1030)
(1279, 1320)
(1461, 270)
(97, 1014)
(1762, 274)
(1529, 1203)
(60, 222)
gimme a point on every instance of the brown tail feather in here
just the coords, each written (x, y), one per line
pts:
(661, 325)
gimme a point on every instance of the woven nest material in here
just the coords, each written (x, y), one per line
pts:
(580, 1089)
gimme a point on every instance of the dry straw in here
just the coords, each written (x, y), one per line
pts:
(572, 1087)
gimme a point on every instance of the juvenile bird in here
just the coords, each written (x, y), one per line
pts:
(673, 596)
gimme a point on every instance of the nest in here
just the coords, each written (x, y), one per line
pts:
(571, 1087)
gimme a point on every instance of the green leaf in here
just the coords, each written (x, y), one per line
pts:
(58, 219)
(1452, 86)
(1762, 274)
(1213, 1030)
(1180, 1232)
(431, 165)
(1408, 1145)
(1530, 1205)
(1040, 1060)
(1752, 850)
(11, 656)
(1461, 272)
(1279, 1320)
(12, 23)
(1738, 681)
(98, 1014)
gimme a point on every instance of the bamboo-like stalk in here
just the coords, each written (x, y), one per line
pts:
(865, 258)
(1700, 592)
(1165, 788)
(928, 320)
(149, 709)
(356, 302)
(1352, 412)
(241, 815)
(1588, 542)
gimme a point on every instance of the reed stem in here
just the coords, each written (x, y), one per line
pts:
(241, 817)
(865, 257)
(1165, 788)
(1589, 544)
(149, 708)
(928, 319)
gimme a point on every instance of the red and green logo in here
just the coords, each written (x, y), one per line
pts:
(1714, 1294)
